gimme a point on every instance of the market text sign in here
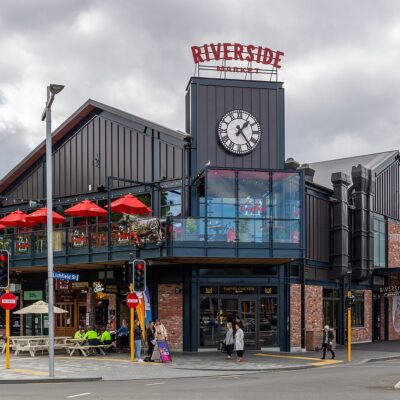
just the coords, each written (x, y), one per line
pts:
(231, 52)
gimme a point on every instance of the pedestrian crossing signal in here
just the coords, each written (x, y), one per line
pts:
(4, 269)
(139, 275)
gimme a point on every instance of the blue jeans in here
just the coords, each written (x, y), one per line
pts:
(138, 349)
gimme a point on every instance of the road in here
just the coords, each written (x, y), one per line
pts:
(372, 381)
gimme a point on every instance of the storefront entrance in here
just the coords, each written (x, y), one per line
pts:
(258, 314)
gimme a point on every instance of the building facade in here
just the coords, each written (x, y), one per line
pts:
(246, 232)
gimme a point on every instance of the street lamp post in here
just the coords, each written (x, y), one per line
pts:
(52, 90)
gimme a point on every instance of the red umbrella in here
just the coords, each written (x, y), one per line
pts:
(2, 227)
(40, 216)
(86, 208)
(16, 219)
(129, 205)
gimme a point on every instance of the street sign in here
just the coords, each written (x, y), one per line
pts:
(8, 301)
(66, 276)
(132, 301)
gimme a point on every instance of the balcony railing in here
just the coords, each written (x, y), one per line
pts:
(176, 233)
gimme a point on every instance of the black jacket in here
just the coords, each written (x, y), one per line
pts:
(327, 335)
(150, 335)
(138, 333)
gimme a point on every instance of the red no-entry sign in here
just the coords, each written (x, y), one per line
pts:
(8, 301)
(132, 300)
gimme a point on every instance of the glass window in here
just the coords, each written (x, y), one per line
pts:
(171, 203)
(379, 242)
(286, 195)
(221, 197)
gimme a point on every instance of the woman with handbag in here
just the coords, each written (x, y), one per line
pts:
(239, 342)
(229, 340)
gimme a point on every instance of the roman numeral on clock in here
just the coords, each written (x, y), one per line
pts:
(224, 139)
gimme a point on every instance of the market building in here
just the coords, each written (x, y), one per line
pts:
(247, 232)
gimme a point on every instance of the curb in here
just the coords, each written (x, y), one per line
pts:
(49, 380)
(371, 360)
(289, 368)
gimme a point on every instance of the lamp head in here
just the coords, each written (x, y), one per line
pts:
(55, 89)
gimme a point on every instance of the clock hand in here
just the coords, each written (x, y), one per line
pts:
(245, 124)
(239, 130)
(245, 138)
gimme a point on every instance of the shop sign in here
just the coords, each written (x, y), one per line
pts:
(239, 290)
(208, 289)
(98, 287)
(33, 295)
(252, 208)
(390, 291)
(111, 288)
(268, 290)
(79, 285)
(63, 285)
(237, 52)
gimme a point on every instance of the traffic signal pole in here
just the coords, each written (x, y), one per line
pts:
(132, 330)
(7, 336)
(349, 328)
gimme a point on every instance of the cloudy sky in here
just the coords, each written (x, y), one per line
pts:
(341, 66)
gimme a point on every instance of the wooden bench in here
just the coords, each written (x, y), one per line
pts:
(31, 348)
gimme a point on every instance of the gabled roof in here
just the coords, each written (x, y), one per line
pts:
(82, 112)
(324, 169)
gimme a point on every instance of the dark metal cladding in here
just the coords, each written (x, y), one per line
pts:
(317, 219)
(387, 189)
(103, 147)
(363, 223)
(340, 226)
(212, 98)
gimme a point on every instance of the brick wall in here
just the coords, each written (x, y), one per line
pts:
(170, 312)
(314, 316)
(364, 334)
(394, 310)
(393, 244)
(295, 315)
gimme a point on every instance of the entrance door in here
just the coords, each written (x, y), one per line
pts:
(248, 315)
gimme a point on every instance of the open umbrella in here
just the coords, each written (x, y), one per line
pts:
(40, 307)
(16, 219)
(2, 227)
(40, 216)
(129, 204)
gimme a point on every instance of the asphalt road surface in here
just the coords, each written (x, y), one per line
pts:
(373, 381)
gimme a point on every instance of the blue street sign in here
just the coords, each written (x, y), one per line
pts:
(66, 276)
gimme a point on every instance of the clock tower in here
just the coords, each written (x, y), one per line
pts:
(235, 123)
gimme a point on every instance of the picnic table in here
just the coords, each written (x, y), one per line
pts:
(32, 344)
(80, 345)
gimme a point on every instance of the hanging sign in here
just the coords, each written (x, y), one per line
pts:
(65, 276)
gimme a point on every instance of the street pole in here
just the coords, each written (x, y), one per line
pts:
(349, 328)
(52, 90)
(7, 336)
(132, 329)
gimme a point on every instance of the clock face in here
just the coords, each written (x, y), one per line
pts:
(239, 132)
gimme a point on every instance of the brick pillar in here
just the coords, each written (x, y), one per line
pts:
(170, 312)
(314, 316)
(295, 315)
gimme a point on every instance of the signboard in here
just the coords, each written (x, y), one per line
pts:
(79, 285)
(66, 276)
(8, 301)
(390, 291)
(393, 244)
(132, 301)
(165, 355)
(237, 58)
(33, 295)
(63, 285)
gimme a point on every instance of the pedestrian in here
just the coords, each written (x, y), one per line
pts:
(239, 342)
(123, 334)
(229, 340)
(151, 339)
(138, 341)
(160, 331)
(80, 333)
(327, 342)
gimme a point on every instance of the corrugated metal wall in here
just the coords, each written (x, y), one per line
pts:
(318, 222)
(99, 149)
(387, 188)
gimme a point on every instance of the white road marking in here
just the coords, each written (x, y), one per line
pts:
(77, 395)
(397, 385)
(155, 383)
(228, 376)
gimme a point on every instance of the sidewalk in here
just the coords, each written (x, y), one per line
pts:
(119, 367)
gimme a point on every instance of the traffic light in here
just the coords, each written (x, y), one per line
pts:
(139, 275)
(4, 269)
